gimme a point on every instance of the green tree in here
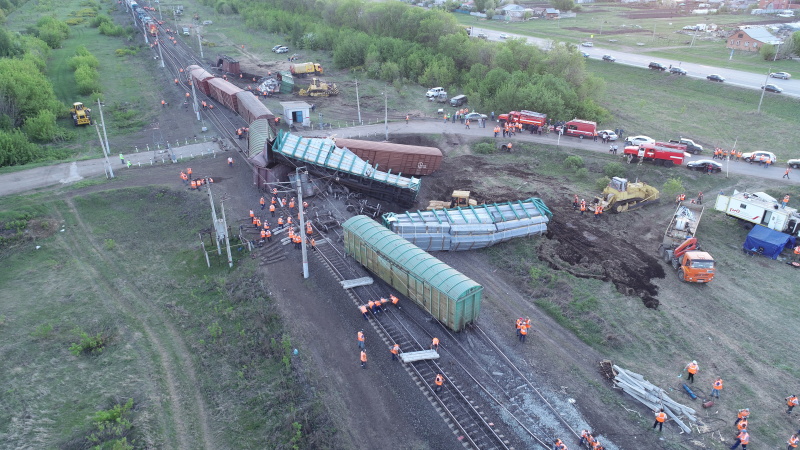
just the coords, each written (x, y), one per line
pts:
(563, 5)
(15, 149)
(767, 51)
(43, 128)
(52, 31)
(672, 188)
(24, 91)
(9, 45)
(796, 42)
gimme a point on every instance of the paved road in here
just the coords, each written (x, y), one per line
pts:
(436, 127)
(66, 173)
(749, 80)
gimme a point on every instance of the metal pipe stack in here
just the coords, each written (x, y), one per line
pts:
(654, 397)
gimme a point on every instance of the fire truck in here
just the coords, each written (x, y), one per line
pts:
(526, 118)
(665, 154)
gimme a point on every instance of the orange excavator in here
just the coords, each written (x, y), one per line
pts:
(681, 250)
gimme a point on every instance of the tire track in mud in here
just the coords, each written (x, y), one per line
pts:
(188, 411)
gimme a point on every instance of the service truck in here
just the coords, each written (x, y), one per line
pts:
(304, 69)
(761, 209)
(580, 128)
(665, 154)
(680, 248)
(526, 118)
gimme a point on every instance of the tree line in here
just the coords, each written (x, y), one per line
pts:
(396, 42)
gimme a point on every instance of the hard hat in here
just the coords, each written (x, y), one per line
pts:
(694, 362)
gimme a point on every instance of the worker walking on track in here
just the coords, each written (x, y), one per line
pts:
(395, 301)
(360, 338)
(691, 369)
(558, 444)
(438, 381)
(742, 425)
(435, 344)
(272, 210)
(791, 402)
(395, 350)
(363, 359)
(263, 203)
(364, 312)
(717, 387)
(742, 438)
(586, 438)
(661, 416)
(230, 161)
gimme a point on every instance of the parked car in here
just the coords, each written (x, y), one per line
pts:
(185, 31)
(588, 44)
(584, 54)
(275, 49)
(715, 77)
(793, 163)
(208, 22)
(756, 156)
(475, 116)
(608, 134)
(781, 75)
(609, 58)
(434, 92)
(772, 88)
(282, 50)
(503, 36)
(657, 66)
(702, 165)
(638, 140)
(677, 70)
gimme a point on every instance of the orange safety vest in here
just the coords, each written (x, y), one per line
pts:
(743, 413)
(184, 176)
(252, 214)
(371, 304)
(661, 416)
(718, 385)
(523, 330)
(439, 380)
(744, 437)
(271, 208)
(360, 337)
(363, 356)
(786, 197)
(194, 184)
(435, 341)
(395, 299)
(384, 301)
(793, 441)
(263, 234)
(395, 349)
(280, 220)
(313, 242)
(742, 424)
(791, 401)
(797, 250)
(262, 201)
(692, 368)
(269, 233)
(363, 309)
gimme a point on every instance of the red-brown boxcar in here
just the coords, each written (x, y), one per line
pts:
(225, 93)
(399, 158)
(266, 178)
(200, 78)
(251, 108)
(227, 64)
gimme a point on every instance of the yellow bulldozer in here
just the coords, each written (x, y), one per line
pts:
(458, 198)
(81, 115)
(622, 195)
(319, 88)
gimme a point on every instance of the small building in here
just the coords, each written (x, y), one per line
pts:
(297, 112)
(751, 39)
(777, 4)
(552, 13)
(516, 12)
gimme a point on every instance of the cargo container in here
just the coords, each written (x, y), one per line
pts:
(200, 78)
(399, 158)
(227, 64)
(225, 93)
(448, 295)
(251, 108)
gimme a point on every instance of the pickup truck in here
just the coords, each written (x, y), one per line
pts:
(691, 147)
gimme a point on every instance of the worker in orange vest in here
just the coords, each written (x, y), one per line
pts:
(407, 117)
(793, 441)
(313, 243)
(272, 210)
(797, 253)
(598, 210)
(523, 332)
(742, 438)
(189, 172)
(395, 300)
(559, 445)
(439, 381)
(363, 309)
(291, 203)
(435, 344)
(263, 235)
(258, 223)
(298, 241)
(496, 130)
(360, 338)
(742, 425)
(371, 306)
(717, 387)
(377, 306)
(785, 201)
(309, 230)
(194, 184)
(742, 415)
(262, 202)
(363, 359)
(269, 235)
(691, 369)
(661, 416)
(786, 173)
(163, 103)
(288, 220)
(583, 206)
(185, 178)
(395, 350)
(586, 438)
(791, 402)
(280, 222)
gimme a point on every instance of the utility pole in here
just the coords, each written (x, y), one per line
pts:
(730, 155)
(763, 90)
(103, 124)
(160, 55)
(220, 225)
(386, 114)
(199, 43)
(227, 238)
(214, 219)
(144, 31)
(358, 105)
(160, 17)
(194, 102)
(302, 231)
(110, 171)
(776, 51)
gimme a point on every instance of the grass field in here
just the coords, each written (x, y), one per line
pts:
(197, 349)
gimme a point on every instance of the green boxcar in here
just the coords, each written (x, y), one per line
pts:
(446, 293)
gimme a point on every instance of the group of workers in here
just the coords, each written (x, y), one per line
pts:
(194, 183)
(581, 206)
(522, 328)
(262, 225)
(376, 306)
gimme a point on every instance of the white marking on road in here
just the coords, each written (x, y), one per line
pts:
(73, 174)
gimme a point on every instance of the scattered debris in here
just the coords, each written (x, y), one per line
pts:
(653, 397)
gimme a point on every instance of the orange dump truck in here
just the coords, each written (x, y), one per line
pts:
(304, 69)
(681, 250)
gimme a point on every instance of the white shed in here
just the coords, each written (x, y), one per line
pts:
(297, 112)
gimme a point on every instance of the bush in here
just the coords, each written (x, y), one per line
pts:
(126, 51)
(16, 149)
(573, 162)
(87, 344)
(484, 148)
(614, 169)
(601, 183)
(87, 80)
(111, 427)
(672, 188)
(583, 172)
(99, 20)
(43, 127)
(109, 29)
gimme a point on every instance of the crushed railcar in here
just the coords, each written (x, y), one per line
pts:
(448, 295)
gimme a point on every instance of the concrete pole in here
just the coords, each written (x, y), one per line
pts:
(386, 114)
(194, 102)
(160, 55)
(358, 105)
(200, 44)
(764, 90)
(214, 217)
(103, 124)
(144, 29)
(227, 238)
(105, 152)
(302, 231)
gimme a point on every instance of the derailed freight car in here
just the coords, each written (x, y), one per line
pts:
(399, 158)
(200, 78)
(447, 294)
(251, 108)
(225, 93)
